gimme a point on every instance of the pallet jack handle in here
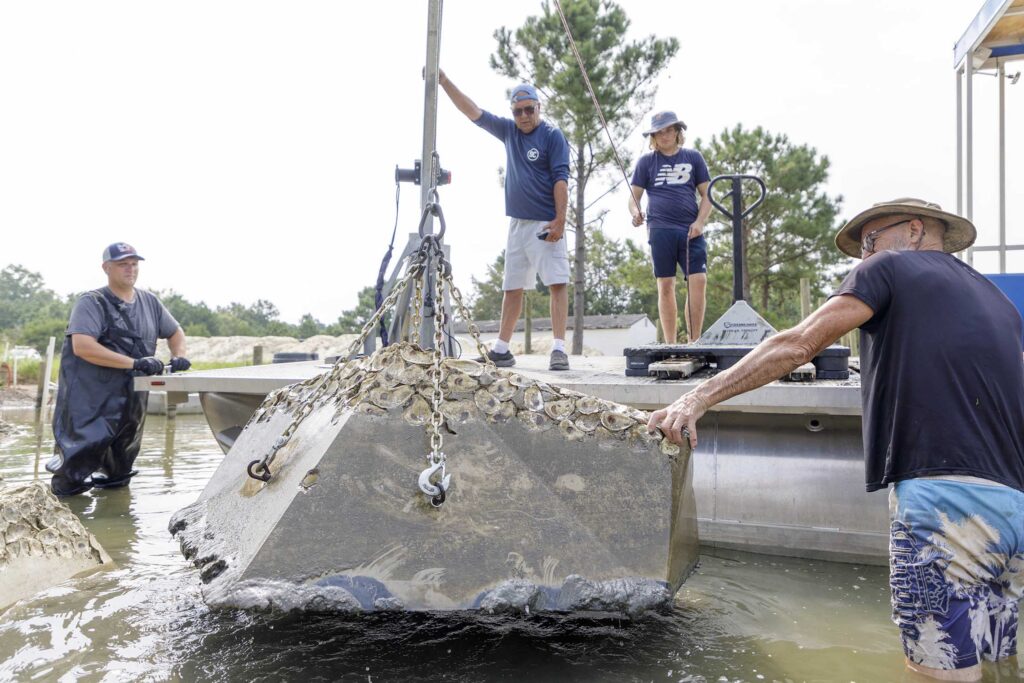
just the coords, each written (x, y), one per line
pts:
(736, 216)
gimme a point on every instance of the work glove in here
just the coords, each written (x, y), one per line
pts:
(180, 364)
(148, 365)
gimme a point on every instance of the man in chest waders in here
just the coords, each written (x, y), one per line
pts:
(110, 339)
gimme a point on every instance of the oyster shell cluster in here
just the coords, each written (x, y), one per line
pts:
(34, 523)
(398, 379)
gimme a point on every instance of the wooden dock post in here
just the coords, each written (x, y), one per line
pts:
(805, 297)
(44, 379)
(257, 355)
(527, 325)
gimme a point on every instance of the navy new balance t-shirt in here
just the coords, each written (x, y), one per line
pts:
(942, 374)
(671, 185)
(535, 162)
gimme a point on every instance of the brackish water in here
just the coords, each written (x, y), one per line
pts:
(740, 617)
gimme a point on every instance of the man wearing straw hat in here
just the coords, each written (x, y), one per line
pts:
(942, 386)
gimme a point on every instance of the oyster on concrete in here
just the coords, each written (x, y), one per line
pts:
(42, 542)
(533, 399)
(391, 398)
(418, 412)
(616, 422)
(503, 390)
(559, 409)
(486, 402)
(464, 365)
(557, 500)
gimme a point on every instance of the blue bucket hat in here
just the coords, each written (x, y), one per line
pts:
(662, 120)
(120, 250)
(524, 91)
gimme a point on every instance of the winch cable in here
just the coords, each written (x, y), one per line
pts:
(378, 290)
(593, 97)
(615, 153)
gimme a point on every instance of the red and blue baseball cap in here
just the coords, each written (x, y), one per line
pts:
(524, 91)
(120, 250)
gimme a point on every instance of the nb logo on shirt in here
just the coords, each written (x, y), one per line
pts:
(676, 174)
(533, 154)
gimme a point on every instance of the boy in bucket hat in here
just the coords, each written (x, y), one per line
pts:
(536, 199)
(673, 177)
(942, 387)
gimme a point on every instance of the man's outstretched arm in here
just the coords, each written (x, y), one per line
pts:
(770, 360)
(459, 99)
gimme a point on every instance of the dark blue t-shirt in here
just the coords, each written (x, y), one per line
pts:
(535, 162)
(671, 185)
(942, 377)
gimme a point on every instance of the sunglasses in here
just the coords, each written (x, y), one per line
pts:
(528, 110)
(867, 245)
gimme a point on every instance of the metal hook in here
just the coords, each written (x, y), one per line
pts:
(434, 491)
(259, 465)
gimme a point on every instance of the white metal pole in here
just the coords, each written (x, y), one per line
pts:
(427, 171)
(959, 142)
(1002, 167)
(47, 369)
(969, 72)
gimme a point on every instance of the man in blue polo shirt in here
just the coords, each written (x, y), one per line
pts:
(536, 197)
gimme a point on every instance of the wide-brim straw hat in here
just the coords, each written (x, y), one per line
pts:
(960, 232)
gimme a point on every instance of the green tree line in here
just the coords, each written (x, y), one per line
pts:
(787, 238)
(31, 313)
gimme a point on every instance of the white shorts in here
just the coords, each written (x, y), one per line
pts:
(526, 257)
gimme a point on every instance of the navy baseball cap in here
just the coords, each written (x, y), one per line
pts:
(120, 250)
(524, 91)
(662, 120)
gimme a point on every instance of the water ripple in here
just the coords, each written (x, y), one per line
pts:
(741, 617)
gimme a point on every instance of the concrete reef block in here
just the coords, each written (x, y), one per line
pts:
(558, 501)
(42, 542)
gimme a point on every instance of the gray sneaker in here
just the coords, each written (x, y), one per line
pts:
(501, 360)
(559, 361)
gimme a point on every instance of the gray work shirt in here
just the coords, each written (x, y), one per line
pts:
(147, 314)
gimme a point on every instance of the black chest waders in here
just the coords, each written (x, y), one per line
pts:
(99, 417)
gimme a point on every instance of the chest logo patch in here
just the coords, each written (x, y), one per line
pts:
(533, 154)
(674, 174)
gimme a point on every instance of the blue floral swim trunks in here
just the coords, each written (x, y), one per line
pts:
(956, 558)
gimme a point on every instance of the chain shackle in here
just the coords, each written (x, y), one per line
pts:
(432, 208)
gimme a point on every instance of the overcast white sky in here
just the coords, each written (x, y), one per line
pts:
(247, 149)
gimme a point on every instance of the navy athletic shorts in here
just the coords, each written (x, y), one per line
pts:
(667, 247)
